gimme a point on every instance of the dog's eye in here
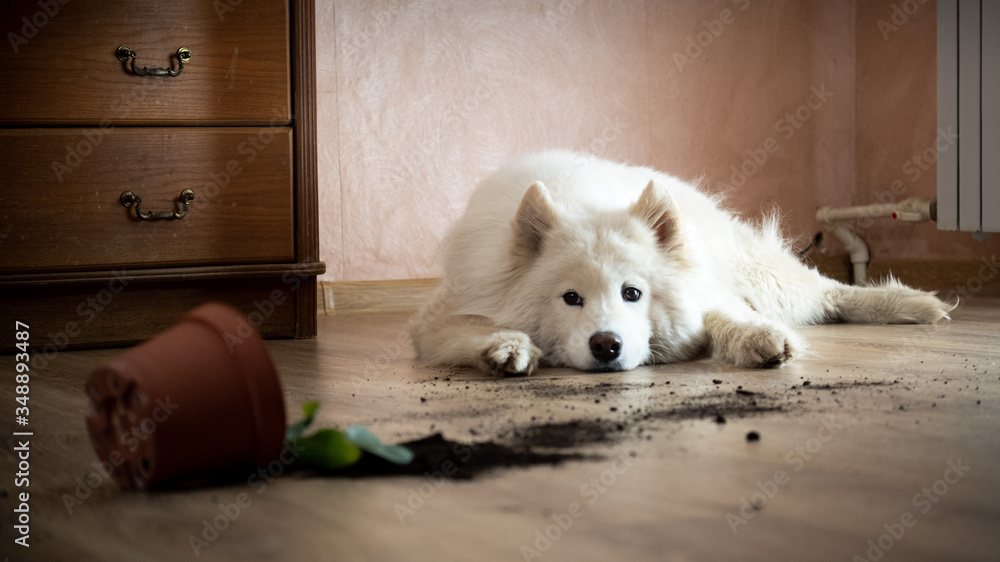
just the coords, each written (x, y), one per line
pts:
(572, 299)
(631, 294)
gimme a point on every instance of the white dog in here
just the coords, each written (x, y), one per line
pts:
(563, 259)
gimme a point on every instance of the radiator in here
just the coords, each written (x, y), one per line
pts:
(968, 105)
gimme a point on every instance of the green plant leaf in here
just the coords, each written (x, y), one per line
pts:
(369, 443)
(295, 432)
(327, 449)
(330, 449)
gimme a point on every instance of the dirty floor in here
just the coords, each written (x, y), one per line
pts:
(881, 444)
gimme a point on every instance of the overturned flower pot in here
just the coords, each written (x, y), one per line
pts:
(201, 399)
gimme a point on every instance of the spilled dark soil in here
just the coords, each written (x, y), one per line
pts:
(565, 435)
(843, 385)
(738, 404)
(562, 391)
(546, 443)
(440, 458)
(632, 412)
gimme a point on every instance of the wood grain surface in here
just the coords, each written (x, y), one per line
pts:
(62, 68)
(80, 128)
(71, 218)
(125, 310)
(305, 162)
(888, 414)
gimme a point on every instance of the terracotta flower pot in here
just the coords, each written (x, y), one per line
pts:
(200, 399)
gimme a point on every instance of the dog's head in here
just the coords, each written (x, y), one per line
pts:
(595, 284)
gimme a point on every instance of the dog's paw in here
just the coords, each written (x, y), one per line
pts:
(761, 346)
(922, 308)
(510, 353)
(890, 302)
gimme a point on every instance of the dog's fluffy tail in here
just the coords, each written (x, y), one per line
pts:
(889, 302)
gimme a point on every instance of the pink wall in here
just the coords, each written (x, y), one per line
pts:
(896, 129)
(775, 87)
(419, 100)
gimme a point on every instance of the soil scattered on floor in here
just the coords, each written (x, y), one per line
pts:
(719, 405)
(569, 434)
(559, 391)
(629, 411)
(843, 385)
(523, 446)
(437, 457)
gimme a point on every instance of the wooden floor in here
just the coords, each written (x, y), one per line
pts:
(891, 451)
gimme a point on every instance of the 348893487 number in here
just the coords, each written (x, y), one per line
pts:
(21, 375)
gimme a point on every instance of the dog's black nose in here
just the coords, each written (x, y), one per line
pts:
(605, 346)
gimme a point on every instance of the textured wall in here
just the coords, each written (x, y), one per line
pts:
(896, 129)
(765, 110)
(419, 100)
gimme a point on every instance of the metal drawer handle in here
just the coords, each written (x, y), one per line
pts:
(183, 55)
(128, 199)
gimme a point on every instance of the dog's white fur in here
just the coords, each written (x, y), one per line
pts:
(558, 222)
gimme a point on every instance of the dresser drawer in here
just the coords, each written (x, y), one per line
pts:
(60, 206)
(58, 65)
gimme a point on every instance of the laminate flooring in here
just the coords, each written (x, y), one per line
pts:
(882, 443)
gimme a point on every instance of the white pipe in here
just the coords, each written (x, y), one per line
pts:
(832, 215)
(913, 209)
(858, 249)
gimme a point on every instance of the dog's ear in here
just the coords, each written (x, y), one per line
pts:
(534, 217)
(657, 209)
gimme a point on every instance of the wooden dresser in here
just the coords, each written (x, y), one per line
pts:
(220, 159)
